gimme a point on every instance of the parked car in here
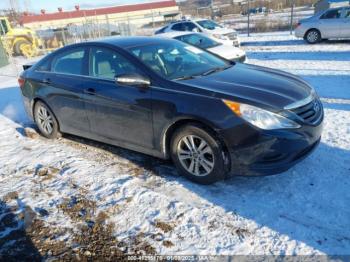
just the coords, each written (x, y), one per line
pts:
(204, 26)
(202, 41)
(172, 100)
(332, 23)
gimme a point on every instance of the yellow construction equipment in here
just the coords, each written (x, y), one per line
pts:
(19, 40)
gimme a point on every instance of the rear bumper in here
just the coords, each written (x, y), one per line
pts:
(272, 152)
(28, 106)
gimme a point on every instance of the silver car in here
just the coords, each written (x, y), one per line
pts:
(332, 23)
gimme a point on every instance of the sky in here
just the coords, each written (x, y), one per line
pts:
(52, 5)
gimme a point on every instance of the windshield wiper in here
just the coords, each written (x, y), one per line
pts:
(184, 78)
(217, 69)
(214, 70)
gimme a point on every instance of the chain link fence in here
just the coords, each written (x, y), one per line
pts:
(91, 28)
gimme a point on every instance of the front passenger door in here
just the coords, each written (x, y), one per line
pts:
(116, 112)
(345, 25)
(329, 23)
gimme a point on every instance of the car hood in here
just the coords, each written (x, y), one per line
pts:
(269, 88)
(228, 52)
(311, 18)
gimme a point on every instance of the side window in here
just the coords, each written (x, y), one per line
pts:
(177, 27)
(332, 14)
(106, 63)
(69, 62)
(3, 27)
(189, 26)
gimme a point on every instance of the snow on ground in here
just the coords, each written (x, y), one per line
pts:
(303, 211)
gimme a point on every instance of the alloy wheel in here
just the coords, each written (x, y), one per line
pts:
(312, 37)
(45, 120)
(195, 155)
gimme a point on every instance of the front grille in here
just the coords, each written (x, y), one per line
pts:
(311, 113)
(231, 36)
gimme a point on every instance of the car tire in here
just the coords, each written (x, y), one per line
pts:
(313, 36)
(198, 154)
(46, 121)
(18, 47)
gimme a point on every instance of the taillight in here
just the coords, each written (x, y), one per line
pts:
(298, 24)
(21, 82)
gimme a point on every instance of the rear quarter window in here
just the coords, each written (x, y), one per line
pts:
(43, 65)
(161, 30)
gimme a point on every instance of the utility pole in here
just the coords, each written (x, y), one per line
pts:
(211, 9)
(248, 11)
(291, 16)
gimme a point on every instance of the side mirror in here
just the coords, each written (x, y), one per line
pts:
(134, 80)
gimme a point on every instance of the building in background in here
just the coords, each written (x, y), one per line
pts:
(322, 5)
(136, 15)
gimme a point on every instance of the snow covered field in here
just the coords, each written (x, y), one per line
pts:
(77, 197)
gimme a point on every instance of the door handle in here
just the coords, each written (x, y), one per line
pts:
(46, 81)
(90, 91)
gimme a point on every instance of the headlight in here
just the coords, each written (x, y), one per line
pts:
(260, 117)
(222, 37)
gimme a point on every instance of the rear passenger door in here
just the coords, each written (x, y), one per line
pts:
(329, 23)
(66, 80)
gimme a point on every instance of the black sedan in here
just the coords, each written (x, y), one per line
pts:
(171, 100)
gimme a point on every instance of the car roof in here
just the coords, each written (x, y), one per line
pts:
(126, 42)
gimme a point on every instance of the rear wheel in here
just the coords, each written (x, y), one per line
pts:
(46, 121)
(198, 154)
(313, 36)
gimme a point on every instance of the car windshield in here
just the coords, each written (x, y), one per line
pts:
(198, 40)
(209, 24)
(178, 61)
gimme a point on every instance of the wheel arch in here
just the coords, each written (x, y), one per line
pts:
(178, 123)
(312, 28)
(40, 99)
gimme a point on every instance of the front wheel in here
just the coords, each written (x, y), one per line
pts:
(313, 36)
(198, 154)
(46, 121)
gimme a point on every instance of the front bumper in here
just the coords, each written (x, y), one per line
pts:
(263, 152)
(234, 41)
(300, 32)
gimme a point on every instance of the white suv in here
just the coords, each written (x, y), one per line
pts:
(206, 27)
